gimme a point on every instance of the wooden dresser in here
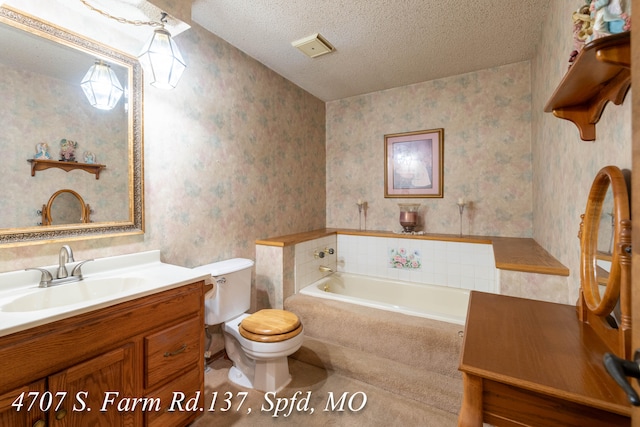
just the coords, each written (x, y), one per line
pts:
(534, 363)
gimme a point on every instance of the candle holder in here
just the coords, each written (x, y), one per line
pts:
(365, 207)
(408, 216)
(362, 206)
(461, 205)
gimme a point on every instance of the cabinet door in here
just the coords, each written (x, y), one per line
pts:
(99, 391)
(29, 412)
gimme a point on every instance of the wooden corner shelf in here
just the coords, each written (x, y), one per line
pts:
(40, 165)
(600, 73)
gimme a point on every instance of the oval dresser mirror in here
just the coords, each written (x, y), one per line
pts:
(605, 242)
(65, 207)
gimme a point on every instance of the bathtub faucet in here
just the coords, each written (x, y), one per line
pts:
(325, 269)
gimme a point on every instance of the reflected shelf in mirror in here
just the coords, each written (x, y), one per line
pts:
(40, 165)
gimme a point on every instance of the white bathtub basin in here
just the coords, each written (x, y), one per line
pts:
(73, 293)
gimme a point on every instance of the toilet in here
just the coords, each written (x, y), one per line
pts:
(258, 344)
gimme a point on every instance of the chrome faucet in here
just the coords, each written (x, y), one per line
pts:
(325, 269)
(65, 256)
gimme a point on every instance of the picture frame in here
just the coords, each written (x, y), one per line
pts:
(413, 165)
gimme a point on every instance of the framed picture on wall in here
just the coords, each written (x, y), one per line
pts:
(413, 165)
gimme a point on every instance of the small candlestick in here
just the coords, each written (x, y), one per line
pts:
(362, 204)
(461, 204)
(365, 206)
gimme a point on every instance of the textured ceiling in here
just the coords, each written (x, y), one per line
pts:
(379, 44)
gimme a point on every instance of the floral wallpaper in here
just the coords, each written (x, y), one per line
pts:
(486, 118)
(235, 153)
(523, 172)
(564, 166)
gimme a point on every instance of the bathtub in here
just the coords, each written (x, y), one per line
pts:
(415, 299)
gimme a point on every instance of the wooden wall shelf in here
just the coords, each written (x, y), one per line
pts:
(40, 165)
(600, 73)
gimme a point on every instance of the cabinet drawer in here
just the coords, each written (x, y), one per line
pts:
(191, 383)
(172, 350)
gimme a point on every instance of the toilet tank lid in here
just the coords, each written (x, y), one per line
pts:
(225, 267)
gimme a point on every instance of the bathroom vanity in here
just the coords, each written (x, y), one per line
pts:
(122, 364)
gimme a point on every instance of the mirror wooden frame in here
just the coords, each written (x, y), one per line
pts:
(596, 309)
(135, 222)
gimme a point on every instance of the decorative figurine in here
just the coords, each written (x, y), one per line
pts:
(582, 29)
(89, 157)
(609, 17)
(42, 151)
(68, 150)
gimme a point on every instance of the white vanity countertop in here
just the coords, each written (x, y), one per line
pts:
(145, 269)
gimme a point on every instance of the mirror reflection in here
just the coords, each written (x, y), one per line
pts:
(606, 228)
(65, 207)
(41, 71)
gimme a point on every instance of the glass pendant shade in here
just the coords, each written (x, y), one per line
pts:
(101, 86)
(162, 61)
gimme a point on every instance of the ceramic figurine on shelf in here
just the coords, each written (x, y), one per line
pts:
(68, 150)
(609, 17)
(89, 157)
(582, 28)
(42, 151)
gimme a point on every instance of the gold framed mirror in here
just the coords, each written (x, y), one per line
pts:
(117, 142)
(605, 259)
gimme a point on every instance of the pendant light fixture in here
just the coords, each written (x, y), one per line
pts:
(161, 59)
(101, 86)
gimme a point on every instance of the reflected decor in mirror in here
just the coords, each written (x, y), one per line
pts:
(605, 261)
(41, 70)
(65, 207)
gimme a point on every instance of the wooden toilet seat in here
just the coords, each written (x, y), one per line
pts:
(270, 325)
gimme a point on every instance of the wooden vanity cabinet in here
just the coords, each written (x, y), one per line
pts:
(10, 417)
(118, 366)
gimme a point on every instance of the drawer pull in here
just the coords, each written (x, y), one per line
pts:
(178, 351)
(39, 423)
(60, 414)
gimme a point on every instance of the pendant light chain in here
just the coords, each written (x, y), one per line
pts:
(127, 21)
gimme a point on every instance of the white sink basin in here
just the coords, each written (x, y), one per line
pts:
(72, 293)
(107, 281)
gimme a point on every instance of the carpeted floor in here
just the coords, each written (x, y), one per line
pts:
(315, 385)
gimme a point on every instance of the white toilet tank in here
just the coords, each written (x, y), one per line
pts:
(231, 293)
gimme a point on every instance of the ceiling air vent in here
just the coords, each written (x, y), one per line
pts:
(313, 46)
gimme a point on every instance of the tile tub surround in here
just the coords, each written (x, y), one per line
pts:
(453, 264)
(308, 265)
(517, 266)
